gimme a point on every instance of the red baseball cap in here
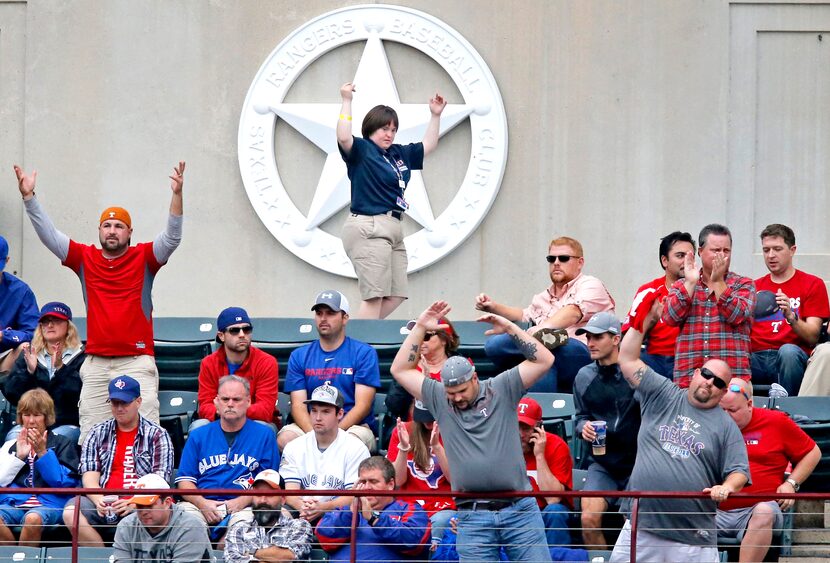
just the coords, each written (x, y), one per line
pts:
(529, 411)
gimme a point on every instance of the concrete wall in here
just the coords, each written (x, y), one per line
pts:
(627, 120)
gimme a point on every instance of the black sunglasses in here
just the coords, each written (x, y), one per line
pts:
(551, 258)
(429, 335)
(716, 381)
(237, 329)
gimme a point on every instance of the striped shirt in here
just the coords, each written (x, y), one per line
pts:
(711, 328)
(152, 450)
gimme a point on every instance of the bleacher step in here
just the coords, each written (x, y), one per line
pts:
(800, 552)
(811, 536)
(826, 514)
(802, 560)
(810, 514)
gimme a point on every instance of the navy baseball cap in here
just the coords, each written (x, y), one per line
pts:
(124, 388)
(333, 299)
(765, 304)
(56, 309)
(232, 316)
(420, 413)
(4, 252)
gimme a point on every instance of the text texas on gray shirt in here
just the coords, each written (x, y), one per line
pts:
(482, 442)
(682, 448)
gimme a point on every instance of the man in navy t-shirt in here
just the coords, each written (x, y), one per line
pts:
(347, 364)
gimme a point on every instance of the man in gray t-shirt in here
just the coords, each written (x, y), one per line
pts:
(480, 431)
(686, 442)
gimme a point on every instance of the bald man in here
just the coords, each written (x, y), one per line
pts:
(773, 441)
(685, 443)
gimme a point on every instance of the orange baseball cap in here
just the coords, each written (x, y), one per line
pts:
(118, 213)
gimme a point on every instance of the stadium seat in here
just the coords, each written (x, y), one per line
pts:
(219, 556)
(813, 416)
(178, 364)
(558, 412)
(284, 406)
(280, 337)
(761, 402)
(318, 556)
(599, 555)
(385, 337)
(817, 409)
(176, 411)
(381, 417)
(15, 553)
(7, 416)
(85, 554)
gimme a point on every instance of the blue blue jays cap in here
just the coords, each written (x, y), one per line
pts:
(124, 388)
(4, 252)
(232, 316)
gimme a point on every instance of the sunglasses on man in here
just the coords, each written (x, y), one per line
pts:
(563, 258)
(235, 330)
(716, 381)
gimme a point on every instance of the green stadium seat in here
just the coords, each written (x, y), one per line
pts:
(15, 553)
(176, 412)
(85, 554)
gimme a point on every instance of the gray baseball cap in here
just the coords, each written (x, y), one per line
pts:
(333, 299)
(601, 322)
(326, 394)
(457, 370)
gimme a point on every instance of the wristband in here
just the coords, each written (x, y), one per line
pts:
(400, 449)
(346, 117)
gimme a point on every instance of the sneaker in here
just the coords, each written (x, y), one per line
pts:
(552, 338)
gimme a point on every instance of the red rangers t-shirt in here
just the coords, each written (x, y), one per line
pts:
(123, 474)
(773, 441)
(117, 292)
(662, 337)
(808, 298)
(560, 463)
(432, 479)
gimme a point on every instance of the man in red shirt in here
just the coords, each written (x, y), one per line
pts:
(549, 468)
(659, 354)
(117, 281)
(237, 356)
(712, 307)
(773, 441)
(782, 341)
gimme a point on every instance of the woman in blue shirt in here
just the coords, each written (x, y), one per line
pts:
(379, 171)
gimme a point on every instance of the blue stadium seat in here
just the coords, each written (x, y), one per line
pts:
(85, 554)
(15, 553)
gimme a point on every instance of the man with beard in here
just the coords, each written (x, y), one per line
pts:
(347, 364)
(272, 535)
(568, 304)
(159, 531)
(117, 280)
(659, 354)
(236, 356)
(685, 443)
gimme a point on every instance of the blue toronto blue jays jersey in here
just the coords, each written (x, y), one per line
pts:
(209, 463)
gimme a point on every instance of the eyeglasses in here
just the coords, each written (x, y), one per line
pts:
(551, 258)
(716, 381)
(235, 330)
(50, 320)
(735, 388)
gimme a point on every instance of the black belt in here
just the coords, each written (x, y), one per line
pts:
(485, 504)
(394, 214)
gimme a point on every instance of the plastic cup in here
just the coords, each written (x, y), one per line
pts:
(111, 516)
(599, 442)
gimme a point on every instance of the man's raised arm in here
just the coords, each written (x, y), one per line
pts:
(538, 359)
(631, 365)
(52, 238)
(405, 365)
(169, 239)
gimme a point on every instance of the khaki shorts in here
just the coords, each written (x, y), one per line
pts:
(374, 244)
(362, 432)
(244, 515)
(96, 374)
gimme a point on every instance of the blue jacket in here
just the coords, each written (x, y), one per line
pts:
(402, 529)
(18, 312)
(58, 468)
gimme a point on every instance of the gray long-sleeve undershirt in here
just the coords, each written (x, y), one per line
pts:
(58, 243)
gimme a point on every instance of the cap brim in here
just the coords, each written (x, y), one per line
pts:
(144, 500)
(314, 402)
(421, 415)
(118, 396)
(529, 421)
(56, 315)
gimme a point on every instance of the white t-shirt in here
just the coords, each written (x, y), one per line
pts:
(336, 468)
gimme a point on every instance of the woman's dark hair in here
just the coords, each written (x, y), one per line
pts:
(378, 117)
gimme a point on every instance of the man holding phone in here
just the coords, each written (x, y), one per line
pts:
(549, 468)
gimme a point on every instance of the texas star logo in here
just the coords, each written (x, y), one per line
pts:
(376, 26)
(120, 383)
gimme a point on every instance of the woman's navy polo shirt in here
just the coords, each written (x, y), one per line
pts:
(373, 174)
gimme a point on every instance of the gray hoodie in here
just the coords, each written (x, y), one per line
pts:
(183, 540)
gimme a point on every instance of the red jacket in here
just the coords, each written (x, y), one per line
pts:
(261, 371)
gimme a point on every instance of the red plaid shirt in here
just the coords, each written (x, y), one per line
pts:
(711, 328)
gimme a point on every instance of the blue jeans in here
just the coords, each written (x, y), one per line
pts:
(519, 528)
(784, 366)
(13, 516)
(555, 517)
(570, 358)
(664, 365)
